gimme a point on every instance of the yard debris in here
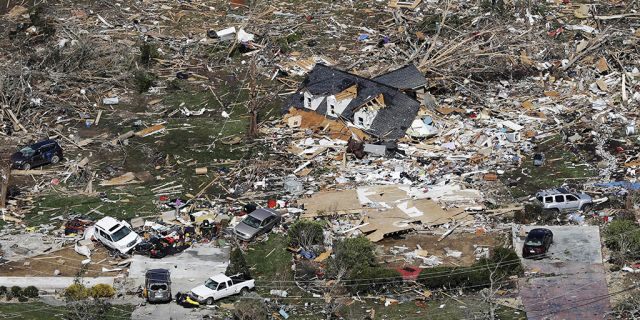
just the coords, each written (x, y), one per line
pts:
(403, 119)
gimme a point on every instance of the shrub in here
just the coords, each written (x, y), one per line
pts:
(9, 296)
(30, 292)
(148, 52)
(22, 299)
(353, 254)
(305, 233)
(623, 238)
(16, 291)
(307, 269)
(102, 290)
(144, 81)
(250, 309)
(3, 290)
(372, 279)
(76, 292)
(453, 277)
(619, 229)
(237, 263)
(505, 262)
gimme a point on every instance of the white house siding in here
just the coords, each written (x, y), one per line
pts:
(335, 107)
(311, 102)
(366, 116)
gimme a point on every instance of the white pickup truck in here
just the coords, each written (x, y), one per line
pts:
(221, 286)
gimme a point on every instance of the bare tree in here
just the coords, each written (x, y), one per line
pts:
(79, 307)
(497, 279)
(332, 299)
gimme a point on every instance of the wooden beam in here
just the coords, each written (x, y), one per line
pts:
(5, 175)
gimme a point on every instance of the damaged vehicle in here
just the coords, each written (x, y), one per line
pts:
(561, 199)
(256, 223)
(116, 234)
(37, 154)
(221, 286)
(157, 285)
(538, 159)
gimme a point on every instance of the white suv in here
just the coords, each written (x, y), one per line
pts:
(116, 234)
(561, 199)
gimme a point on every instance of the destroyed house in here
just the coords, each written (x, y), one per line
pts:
(384, 108)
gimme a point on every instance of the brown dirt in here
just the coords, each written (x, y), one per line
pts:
(45, 265)
(457, 241)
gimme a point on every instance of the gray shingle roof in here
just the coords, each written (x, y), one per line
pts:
(391, 121)
(407, 77)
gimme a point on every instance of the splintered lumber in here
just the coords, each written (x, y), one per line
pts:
(408, 4)
(127, 178)
(158, 128)
(122, 137)
(446, 234)
(97, 121)
(32, 172)
(5, 175)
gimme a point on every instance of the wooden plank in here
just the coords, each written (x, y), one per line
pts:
(32, 172)
(5, 175)
(158, 128)
(127, 178)
(122, 137)
(14, 119)
(98, 118)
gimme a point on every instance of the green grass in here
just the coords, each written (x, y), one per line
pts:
(133, 201)
(561, 166)
(187, 140)
(470, 308)
(41, 311)
(275, 267)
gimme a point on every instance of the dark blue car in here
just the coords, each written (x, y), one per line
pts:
(37, 154)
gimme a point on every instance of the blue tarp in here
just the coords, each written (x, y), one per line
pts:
(307, 254)
(624, 184)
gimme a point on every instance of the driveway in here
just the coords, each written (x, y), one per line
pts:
(570, 283)
(188, 269)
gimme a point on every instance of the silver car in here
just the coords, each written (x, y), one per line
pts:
(256, 223)
(561, 199)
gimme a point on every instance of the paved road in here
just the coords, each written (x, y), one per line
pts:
(571, 282)
(188, 269)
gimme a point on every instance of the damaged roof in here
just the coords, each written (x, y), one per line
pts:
(407, 77)
(391, 121)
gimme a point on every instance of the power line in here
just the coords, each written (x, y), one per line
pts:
(597, 299)
(395, 278)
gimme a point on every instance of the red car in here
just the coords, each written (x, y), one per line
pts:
(537, 243)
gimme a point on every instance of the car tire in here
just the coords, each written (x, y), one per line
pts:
(26, 166)
(55, 159)
(586, 207)
(244, 291)
(209, 301)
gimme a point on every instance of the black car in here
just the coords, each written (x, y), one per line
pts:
(37, 154)
(537, 243)
(538, 159)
